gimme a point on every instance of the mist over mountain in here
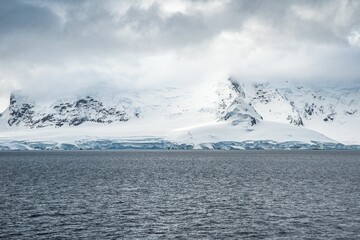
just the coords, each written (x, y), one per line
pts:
(55, 48)
(160, 69)
(227, 110)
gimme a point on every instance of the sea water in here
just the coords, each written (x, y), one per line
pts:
(180, 195)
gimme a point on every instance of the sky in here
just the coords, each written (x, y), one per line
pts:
(64, 47)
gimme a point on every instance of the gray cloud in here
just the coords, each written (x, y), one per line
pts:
(17, 16)
(64, 46)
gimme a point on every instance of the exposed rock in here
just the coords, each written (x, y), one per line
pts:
(66, 113)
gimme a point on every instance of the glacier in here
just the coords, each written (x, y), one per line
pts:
(161, 144)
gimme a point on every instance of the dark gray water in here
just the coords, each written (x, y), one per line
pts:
(182, 195)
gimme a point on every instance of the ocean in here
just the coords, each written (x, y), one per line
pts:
(180, 195)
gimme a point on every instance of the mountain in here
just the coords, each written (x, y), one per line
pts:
(225, 115)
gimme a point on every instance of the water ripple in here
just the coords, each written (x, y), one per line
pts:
(180, 195)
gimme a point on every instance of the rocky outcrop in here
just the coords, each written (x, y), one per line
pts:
(70, 113)
(234, 106)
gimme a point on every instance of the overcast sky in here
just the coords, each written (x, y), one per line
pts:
(63, 46)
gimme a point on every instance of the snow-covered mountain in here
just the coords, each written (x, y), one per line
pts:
(225, 115)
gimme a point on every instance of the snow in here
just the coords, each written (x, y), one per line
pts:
(218, 116)
(223, 131)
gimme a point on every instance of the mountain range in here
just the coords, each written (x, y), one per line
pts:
(228, 114)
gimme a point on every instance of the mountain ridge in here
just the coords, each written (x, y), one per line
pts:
(228, 110)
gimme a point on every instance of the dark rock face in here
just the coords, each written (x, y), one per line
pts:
(309, 109)
(235, 108)
(72, 113)
(350, 112)
(20, 112)
(330, 117)
(253, 121)
(297, 121)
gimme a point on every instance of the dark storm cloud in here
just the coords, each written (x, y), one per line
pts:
(18, 16)
(60, 43)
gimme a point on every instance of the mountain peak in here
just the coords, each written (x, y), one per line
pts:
(241, 105)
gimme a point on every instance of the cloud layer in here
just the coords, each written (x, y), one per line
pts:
(63, 47)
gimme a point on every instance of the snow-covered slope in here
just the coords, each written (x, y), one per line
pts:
(220, 115)
(330, 111)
